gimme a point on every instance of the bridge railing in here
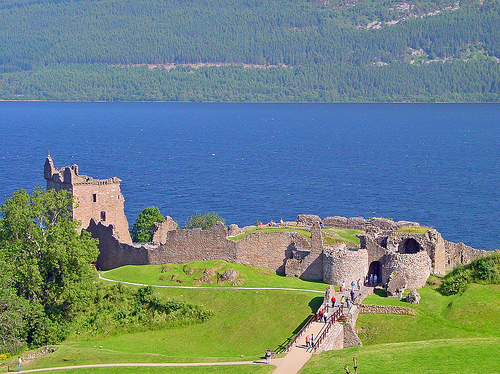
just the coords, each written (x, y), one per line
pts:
(302, 331)
(333, 318)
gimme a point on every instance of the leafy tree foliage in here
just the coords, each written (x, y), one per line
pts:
(143, 228)
(203, 221)
(48, 261)
(482, 270)
(13, 311)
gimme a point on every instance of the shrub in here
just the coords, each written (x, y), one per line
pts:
(483, 269)
(454, 284)
(143, 228)
(203, 221)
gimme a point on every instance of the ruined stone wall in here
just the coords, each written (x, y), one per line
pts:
(343, 265)
(195, 245)
(162, 228)
(375, 224)
(431, 242)
(306, 260)
(351, 338)
(112, 253)
(387, 309)
(267, 249)
(459, 253)
(333, 340)
(374, 249)
(438, 252)
(415, 267)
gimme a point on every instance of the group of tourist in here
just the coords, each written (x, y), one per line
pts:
(271, 223)
(310, 341)
(372, 280)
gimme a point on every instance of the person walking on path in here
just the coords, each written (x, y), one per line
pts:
(352, 295)
(268, 356)
(308, 341)
(353, 285)
(312, 340)
(333, 301)
(359, 284)
(325, 317)
(320, 315)
(342, 300)
(375, 279)
(342, 287)
(371, 279)
(19, 361)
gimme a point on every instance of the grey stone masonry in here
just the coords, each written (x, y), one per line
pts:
(386, 309)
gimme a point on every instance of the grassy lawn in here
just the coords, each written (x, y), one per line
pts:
(245, 323)
(449, 334)
(187, 275)
(475, 313)
(266, 228)
(464, 356)
(242, 369)
(414, 229)
(342, 235)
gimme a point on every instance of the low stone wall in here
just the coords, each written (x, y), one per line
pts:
(380, 309)
(333, 340)
(375, 224)
(181, 246)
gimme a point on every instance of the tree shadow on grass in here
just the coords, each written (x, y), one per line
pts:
(284, 344)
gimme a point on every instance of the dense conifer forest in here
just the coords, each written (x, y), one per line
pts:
(250, 50)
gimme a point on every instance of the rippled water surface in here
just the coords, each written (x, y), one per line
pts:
(437, 164)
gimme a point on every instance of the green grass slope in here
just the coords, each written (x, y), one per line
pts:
(188, 275)
(244, 324)
(449, 334)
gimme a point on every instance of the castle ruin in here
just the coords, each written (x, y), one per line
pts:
(383, 249)
(94, 199)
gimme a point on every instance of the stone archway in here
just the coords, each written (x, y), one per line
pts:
(375, 268)
(409, 245)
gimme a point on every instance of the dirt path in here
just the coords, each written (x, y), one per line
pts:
(210, 288)
(302, 358)
(276, 362)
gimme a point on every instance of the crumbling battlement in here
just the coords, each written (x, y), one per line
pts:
(97, 199)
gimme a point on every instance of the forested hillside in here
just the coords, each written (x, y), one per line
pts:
(250, 50)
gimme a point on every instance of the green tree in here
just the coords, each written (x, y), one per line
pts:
(143, 228)
(203, 221)
(48, 260)
(13, 311)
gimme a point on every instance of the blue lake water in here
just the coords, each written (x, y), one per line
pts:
(437, 164)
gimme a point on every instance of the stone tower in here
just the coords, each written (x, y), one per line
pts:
(97, 199)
